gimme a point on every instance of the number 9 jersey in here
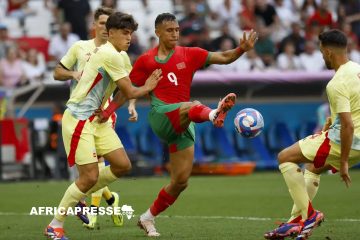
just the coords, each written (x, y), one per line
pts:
(178, 70)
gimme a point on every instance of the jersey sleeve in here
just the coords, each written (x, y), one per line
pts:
(127, 62)
(198, 57)
(339, 98)
(115, 66)
(139, 74)
(70, 58)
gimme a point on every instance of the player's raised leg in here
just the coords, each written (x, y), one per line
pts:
(200, 113)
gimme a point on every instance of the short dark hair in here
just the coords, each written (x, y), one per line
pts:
(164, 17)
(103, 11)
(333, 38)
(120, 20)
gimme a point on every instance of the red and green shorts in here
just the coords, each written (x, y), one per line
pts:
(165, 122)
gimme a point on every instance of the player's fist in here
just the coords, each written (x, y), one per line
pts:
(76, 76)
(153, 79)
(248, 41)
(102, 115)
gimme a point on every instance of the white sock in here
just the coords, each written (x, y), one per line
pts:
(212, 114)
(147, 216)
(56, 223)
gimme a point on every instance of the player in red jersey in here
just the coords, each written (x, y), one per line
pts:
(172, 115)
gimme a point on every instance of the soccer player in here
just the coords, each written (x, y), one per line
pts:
(70, 67)
(337, 147)
(172, 115)
(84, 138)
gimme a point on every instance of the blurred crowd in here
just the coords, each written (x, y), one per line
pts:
(287, 30)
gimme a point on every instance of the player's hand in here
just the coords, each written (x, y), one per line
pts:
(133, 113)
(344, 173)
(327, 124)
(153, 79)
(248, 41)
(101, 115)
(76, 76)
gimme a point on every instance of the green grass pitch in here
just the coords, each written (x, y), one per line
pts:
(241, 207)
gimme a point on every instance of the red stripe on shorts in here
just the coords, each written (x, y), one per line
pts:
(75, 141)
(322, 153)
(174, 117)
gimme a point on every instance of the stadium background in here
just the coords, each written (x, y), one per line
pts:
(290, 97)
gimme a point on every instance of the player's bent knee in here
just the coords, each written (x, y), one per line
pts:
(282, 156)
(88, 180)
(122, 169)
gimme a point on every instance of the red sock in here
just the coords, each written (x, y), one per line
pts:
(310, 210)
(199, 113)
(162, 202)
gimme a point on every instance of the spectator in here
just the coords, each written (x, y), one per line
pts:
(347, 29)
(353, 51)
(229, 12)
(109, 3)
(307, 10)
(322, 16)
(296, 37)
(152, 42)
(311, 60)
(5, 42)
(34, 66)
(225, 45)
(19, 9)
(225, 34)
(77, 13)
(288, 60)
(265, 47)
(266, 12)
(61, 42)
(352, 11)
(312, 32)
(205, 40)
(11, 69)
(135, 48)
(250, 62)
(286, 18)
(247, 15)
(192, 26)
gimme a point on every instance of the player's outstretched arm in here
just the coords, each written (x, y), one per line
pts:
(63, 74)
(246, 43)
(346, 137)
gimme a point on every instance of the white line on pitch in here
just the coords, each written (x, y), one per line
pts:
(204, 217)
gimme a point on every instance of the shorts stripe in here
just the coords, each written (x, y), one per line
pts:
(75, 141)
(322, 153)
(174, 118)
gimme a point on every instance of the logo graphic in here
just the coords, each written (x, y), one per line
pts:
(181, 65)
(128, 211)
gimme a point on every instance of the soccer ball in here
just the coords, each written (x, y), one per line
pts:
(249, 122)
